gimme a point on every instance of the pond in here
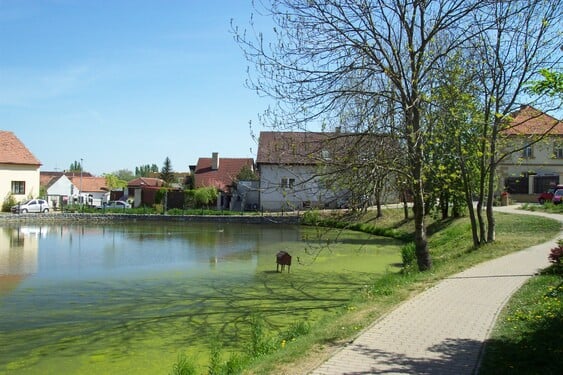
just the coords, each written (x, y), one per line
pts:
(129, 298)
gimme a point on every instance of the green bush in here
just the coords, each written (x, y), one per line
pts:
(408, 254)
(9, 201)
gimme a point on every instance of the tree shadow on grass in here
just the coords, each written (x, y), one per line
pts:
(539, 351)
(439, 225)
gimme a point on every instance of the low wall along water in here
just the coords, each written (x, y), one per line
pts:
(108, 218)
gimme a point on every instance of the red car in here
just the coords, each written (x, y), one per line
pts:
(557, 196)
(548, 195)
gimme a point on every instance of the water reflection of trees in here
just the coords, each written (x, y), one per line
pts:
(120, 316)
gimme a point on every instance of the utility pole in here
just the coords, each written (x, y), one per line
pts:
(80, 194)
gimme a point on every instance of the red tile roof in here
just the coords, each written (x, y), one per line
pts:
(530, 121)
(145, 181)
(90, 184)
(222, 177)
(13, 151)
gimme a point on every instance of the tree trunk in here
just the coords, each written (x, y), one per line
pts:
(491, 225)
(468, 196)
(444, 205)
(405, 205)
(420, 240)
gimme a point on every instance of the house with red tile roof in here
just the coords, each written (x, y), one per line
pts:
(142, 190)
(538, 165)
(220, 173)
(298, 170)
(49, 177)
(288, 164)
(74, 188)
(19, 169)
(92, 191)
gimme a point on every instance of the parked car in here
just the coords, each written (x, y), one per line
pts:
(547, 196)
(32, 205)
(557, 196)
(117, 204)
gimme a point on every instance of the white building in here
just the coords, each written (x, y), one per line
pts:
(19, 169)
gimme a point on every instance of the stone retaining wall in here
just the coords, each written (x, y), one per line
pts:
(73, 218)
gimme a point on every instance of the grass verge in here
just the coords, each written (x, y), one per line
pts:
(546, 207)
(452, 251)
(528, 336)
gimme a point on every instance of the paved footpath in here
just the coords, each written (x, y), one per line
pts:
(443, 329)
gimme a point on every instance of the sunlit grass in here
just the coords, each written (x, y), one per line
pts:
(528, 336)
(452, 251)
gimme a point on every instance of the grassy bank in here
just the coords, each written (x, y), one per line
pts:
(528, 336)
(451, 248)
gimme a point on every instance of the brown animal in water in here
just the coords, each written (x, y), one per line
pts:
(283, 259)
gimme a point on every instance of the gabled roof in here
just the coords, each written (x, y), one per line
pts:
(13, 151)
(221, 177)
(46, 178)
(530, 121)
(89, 184)
(311, 148)
(301, 148)
(145, 182)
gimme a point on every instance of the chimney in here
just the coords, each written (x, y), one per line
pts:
(215, 161)
(337, 129)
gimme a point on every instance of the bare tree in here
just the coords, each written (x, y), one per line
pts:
(328, 56)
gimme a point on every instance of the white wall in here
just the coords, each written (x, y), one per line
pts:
(306, 190)
(542, 162)
(17, 172)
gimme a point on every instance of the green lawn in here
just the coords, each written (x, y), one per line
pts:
(528, 337)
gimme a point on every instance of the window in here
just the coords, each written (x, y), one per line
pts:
(528, 152)
(287, 183)
(558, 151)
(18, 187)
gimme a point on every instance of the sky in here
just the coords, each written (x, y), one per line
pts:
(119, 84)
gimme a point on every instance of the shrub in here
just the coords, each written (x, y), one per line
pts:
(408, 254)
(556, 255)
(9, 201)
(311, 217)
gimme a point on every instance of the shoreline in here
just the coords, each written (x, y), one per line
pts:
(73, 218)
